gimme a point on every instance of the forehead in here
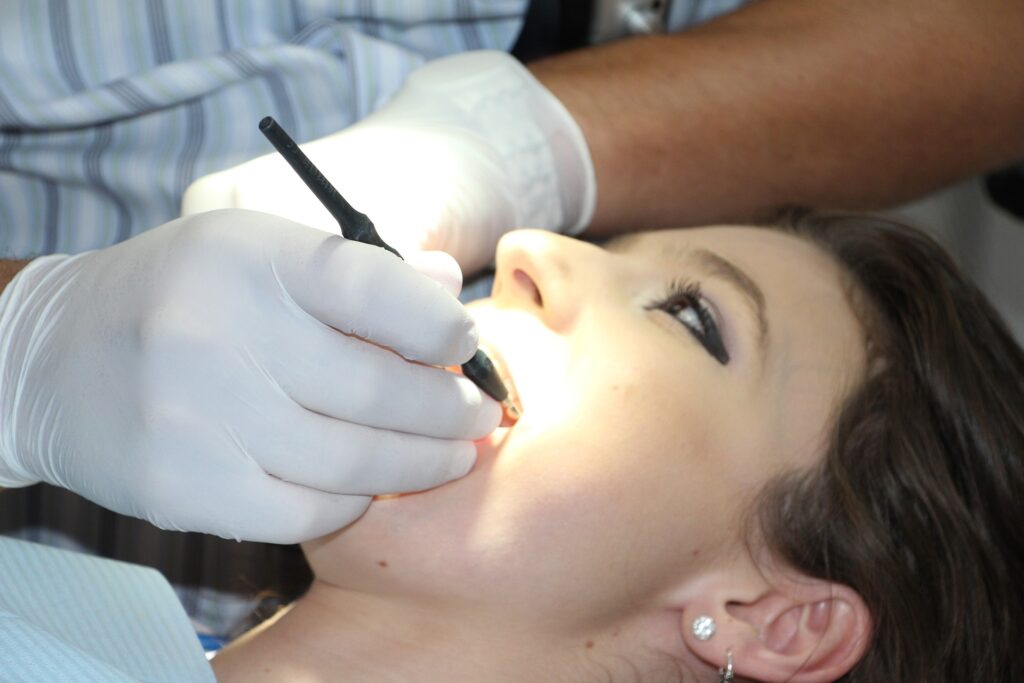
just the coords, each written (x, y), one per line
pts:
(734, 239)
(783, 267)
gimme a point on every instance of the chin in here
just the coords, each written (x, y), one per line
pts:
(410, 537)
(442, 503)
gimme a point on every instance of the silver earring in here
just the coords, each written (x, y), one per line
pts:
(725, 675)
(703, 627)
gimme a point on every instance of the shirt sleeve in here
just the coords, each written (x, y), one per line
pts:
(71, 617)
(108, 110)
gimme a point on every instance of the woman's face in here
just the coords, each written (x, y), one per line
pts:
(664, 380)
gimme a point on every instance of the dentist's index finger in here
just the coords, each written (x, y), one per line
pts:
(439, 267)
(365, 291)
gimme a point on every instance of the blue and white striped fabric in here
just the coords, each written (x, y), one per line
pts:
(71, 617)
(110, 108)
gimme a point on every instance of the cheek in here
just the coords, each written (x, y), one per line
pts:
(617, 488)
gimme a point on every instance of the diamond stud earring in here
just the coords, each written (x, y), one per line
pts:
(703, 627)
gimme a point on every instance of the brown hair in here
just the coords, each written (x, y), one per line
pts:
(918, 504)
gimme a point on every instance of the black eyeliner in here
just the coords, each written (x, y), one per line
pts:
(689, 293)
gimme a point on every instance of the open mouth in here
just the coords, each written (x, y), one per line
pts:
(509, 416)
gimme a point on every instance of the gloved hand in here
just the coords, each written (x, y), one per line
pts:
(470, 147)
(191, 376)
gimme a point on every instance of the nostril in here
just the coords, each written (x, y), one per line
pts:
(527, 283)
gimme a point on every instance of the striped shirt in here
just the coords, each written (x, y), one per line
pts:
(110, 108)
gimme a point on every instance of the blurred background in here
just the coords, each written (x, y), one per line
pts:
(986, 240)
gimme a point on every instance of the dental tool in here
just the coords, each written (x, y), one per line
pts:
(357, 226)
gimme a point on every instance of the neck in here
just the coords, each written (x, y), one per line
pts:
(334, 634)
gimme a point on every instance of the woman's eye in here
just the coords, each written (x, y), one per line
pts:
(684, 302)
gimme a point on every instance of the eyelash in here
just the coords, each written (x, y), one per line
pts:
(684, 295)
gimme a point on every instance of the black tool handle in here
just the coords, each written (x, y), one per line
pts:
(354, 224)
(481, 372)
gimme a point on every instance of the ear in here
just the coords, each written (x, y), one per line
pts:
(806, 631)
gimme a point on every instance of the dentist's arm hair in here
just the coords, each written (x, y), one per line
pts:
(833, 103)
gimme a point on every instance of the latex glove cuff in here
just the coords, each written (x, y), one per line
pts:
(540, 147)
(19, 342)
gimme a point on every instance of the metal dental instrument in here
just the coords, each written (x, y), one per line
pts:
(357, 226)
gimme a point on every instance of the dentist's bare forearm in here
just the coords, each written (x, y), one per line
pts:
(812, 102)
(8, 269)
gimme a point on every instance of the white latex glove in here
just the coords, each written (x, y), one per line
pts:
(191, 376)
(470, 147)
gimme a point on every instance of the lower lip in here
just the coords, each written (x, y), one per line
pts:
(492, 442)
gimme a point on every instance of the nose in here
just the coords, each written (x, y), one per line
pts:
(540, 272)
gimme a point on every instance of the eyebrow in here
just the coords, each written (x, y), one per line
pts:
(723, 268)
(715, 265)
